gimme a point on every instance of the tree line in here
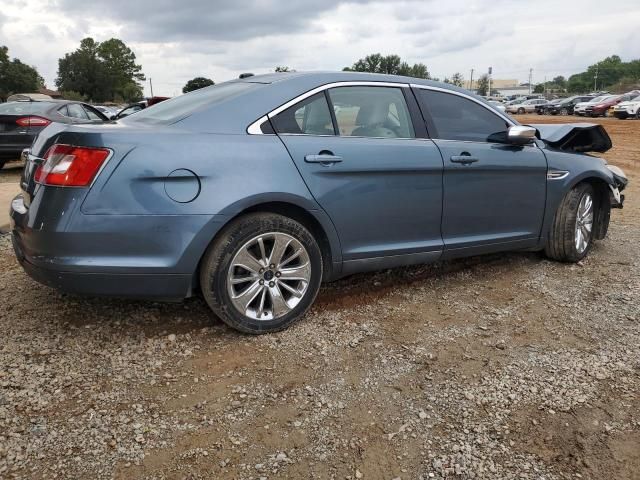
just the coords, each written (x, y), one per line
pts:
(107, 71)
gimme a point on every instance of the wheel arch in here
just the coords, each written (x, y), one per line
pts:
(314, 219)
(603, 196)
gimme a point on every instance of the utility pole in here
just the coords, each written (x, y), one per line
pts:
(595, 80)
(151, 86)
(544, 87)
(489, 81)
(530, 79)
(471, 80)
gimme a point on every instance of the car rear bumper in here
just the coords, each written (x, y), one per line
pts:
(122, 258)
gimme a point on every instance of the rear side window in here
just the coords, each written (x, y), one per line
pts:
(91, 114)
(457, 118)
(177, 108)
(379, 112)
(76, 111)
(310, 116)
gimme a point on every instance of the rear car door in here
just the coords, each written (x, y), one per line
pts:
(357, 151)
(494, 193)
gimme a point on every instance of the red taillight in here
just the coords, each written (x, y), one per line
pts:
(33, 122)
(69, 166)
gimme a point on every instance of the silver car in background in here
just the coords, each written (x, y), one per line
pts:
(528, 106)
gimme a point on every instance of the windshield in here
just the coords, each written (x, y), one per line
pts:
(635, 99)
(599, 99)
(20, 108)
(177, 108)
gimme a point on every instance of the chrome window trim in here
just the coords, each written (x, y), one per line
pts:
(254, 128)
(468, 97)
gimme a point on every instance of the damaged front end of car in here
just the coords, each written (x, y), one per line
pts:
(585, 138)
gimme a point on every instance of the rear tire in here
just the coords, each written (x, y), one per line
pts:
(571, 235)
(521, 111)
(245, 275)
(2, 162)
(564, 112)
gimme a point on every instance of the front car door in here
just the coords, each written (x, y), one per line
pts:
(357, 150)
(494, 193)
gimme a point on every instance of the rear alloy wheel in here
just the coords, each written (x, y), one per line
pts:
(606, 113)
(521, 111)
(262, 273)
(571, 234)
(564, 111)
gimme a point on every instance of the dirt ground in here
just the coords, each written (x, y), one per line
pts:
(502, 366)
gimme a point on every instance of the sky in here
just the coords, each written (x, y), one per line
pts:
(175, 41)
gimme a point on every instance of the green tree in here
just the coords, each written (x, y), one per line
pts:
(17, 77)
(282, 69)
(389, 64)
(539, 88)
(197, 83)
(482, 84)
(456, 79)
(71, 95)
(101, 71)
(604, 75)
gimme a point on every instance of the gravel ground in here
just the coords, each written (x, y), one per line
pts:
(502, 366)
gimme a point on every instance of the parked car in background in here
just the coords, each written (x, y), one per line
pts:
(498, 105)
(566, 105)
(601, 109)
(527, 106)
(543, 108)
(136, 107)
(580, 108)
(108, 111)
(628, 108)
(21, 121)
(254, 192)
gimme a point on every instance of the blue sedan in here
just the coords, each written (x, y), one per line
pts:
(254, 191)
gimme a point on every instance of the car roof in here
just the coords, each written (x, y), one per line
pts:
(324, 77)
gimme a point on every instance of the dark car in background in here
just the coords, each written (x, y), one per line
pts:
(255, 191)
(565, 106)
(137, 106)
(542, 108)
(21, 121)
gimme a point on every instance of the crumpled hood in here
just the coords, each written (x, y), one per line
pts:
(575, 137)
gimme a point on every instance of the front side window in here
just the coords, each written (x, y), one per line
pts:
(371, 112)
(310, 116)
(457, 118)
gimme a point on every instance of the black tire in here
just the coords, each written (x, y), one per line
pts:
(2, 162)
(217, 261)
(521, 111)
(638, 114)
(564, 111)
(561, 240)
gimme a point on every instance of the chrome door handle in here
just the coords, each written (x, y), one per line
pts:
(464, 159)
(325, 159)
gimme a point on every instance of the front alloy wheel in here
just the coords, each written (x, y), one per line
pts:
(571, 235)
(584, 223)
(261, 273)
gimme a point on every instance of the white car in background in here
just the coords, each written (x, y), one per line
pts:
(581, 108)
(528, 106)
(498, 106)
(630, 108)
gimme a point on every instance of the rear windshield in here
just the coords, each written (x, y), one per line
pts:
(19, 108)
(177, 108)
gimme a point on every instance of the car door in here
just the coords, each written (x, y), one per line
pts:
(493, 192)
(357, 150)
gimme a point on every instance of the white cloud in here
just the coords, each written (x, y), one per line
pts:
(175, 41)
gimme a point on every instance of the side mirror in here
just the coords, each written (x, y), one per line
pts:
(521, 134)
